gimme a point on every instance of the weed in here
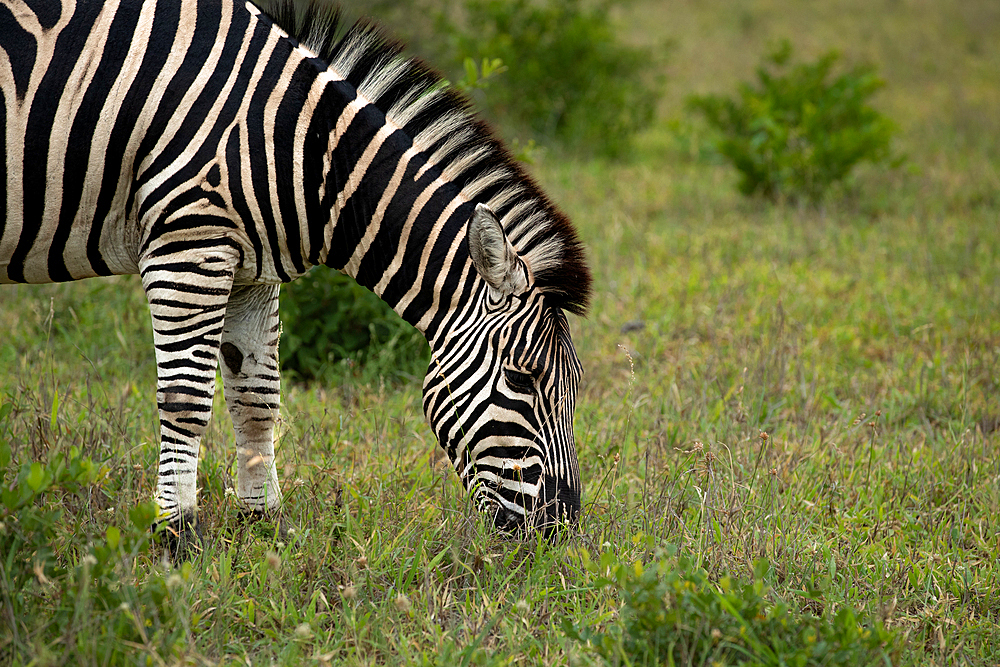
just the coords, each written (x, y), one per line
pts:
(569, 78)
(797, 133)
(674, 614)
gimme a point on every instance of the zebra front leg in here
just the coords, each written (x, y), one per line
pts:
(187, 293)
(249, 355)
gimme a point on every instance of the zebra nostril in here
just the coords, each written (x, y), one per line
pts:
(559, 506)
(506, 520)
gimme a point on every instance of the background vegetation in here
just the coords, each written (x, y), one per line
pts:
(789, 417)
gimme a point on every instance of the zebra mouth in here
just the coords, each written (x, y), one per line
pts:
(558, 508)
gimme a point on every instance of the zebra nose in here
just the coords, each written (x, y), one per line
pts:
(559, 505)
(507, 521)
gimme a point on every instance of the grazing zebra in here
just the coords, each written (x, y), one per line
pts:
(219, 152)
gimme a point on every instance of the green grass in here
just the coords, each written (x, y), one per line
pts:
(814, 388)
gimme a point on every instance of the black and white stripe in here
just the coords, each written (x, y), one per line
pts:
(216, 154)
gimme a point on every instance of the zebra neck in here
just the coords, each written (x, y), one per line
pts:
(397, 225)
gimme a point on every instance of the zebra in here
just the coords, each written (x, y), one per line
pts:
(218, 150)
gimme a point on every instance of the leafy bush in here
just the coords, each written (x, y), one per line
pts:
(797, 133)
(673, 614)
(568, 78)
(332, 325)
(81, 601)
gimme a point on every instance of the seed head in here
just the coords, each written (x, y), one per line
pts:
(273, 560)
(402, 603)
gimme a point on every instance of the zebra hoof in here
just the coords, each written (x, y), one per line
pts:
(183, 539)
(270, 524)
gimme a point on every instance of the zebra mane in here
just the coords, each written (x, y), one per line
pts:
(442, 125)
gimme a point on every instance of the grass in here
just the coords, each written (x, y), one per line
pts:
(814, 388)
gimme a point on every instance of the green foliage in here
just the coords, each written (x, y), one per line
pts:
(569, 77)
(479, 76)
(85, 596)
(332, 325)
(797, 133)
(674, 614)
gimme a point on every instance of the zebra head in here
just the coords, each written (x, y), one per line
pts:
(501, 389)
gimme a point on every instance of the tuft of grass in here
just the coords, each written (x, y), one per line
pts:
(674, 614)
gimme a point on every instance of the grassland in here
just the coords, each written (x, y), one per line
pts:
(816, 387)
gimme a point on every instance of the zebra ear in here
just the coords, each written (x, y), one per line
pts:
(493, 255)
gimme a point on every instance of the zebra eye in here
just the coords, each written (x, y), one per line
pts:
(518, 380)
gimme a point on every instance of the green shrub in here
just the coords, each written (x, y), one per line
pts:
(797, 133)
(674, 614)
(568, 78)
(331, 326)
(63, 591)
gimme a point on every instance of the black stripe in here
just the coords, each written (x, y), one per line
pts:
(353, 218)
(238, 200)
(206, 339)
(41, 120)
(180, 406)
(85, 125)
(166, 22)
(189, 267)
(187, 391)
(331, 104)
(194, 244)
(22, 46)
(186, 364)
(257, 141)
(201, 324)
(284, 140)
